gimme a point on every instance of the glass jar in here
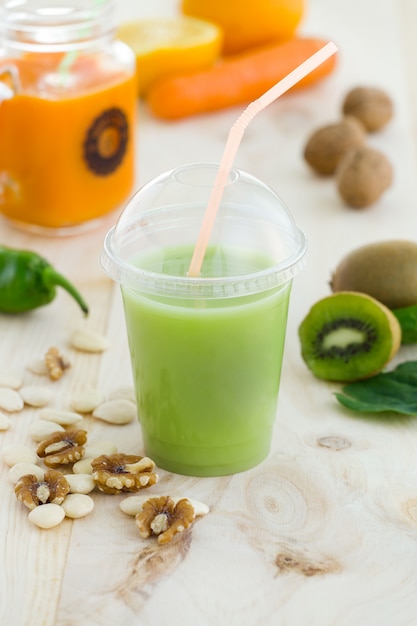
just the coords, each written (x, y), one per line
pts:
(67, 114)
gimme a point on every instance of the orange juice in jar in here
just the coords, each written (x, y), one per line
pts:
(67, 114)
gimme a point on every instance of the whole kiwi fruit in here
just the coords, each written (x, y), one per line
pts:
(371, 105)
(348, 336)
(385, 270)
(362, 176)
(327, 145)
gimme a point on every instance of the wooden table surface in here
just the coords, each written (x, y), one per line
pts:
(323, 532)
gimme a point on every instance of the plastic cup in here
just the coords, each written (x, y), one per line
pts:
(206, 351)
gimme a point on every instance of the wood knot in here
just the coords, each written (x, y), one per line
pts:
(410, 508)
(304, 565)
(334, 442)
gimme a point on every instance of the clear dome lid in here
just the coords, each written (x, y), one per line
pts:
(167, 213)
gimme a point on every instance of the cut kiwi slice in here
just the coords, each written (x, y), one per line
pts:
(348, 336)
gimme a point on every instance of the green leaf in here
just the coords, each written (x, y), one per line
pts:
(407, 317)
(394, 391)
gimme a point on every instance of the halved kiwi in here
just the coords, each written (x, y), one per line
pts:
(348, 336)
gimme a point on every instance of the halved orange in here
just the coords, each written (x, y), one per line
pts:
(248, 23)
(166, 46)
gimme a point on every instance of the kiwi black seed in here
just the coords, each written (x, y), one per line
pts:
(348, 336)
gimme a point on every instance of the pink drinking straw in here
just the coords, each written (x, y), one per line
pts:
(234, 139)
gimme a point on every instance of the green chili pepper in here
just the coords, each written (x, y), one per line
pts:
(28, 281)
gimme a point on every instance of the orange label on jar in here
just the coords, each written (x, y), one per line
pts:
(106, 142)
(69, 158)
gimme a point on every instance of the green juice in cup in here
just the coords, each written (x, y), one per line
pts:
(207, 372)
(206, 348)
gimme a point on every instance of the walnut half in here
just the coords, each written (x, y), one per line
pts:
(33, 492)
(163, 517)
(55, 363)
(62, 447)
(117, 473)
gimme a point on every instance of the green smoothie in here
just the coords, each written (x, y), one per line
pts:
(206, 372)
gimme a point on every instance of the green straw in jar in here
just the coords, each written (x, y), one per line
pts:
(70, 56)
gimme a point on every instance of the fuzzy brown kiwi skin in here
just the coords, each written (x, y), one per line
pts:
(371, 105)
(393, 324)
(328, 144)
(385, 270)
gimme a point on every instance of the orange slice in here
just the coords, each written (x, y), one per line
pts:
(167, 46)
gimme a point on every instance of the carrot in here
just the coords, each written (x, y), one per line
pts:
(235, 80)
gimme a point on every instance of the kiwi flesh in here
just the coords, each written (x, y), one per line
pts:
(385, 270)
(348, 336)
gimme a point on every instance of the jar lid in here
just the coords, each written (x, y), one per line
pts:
(55, 25)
